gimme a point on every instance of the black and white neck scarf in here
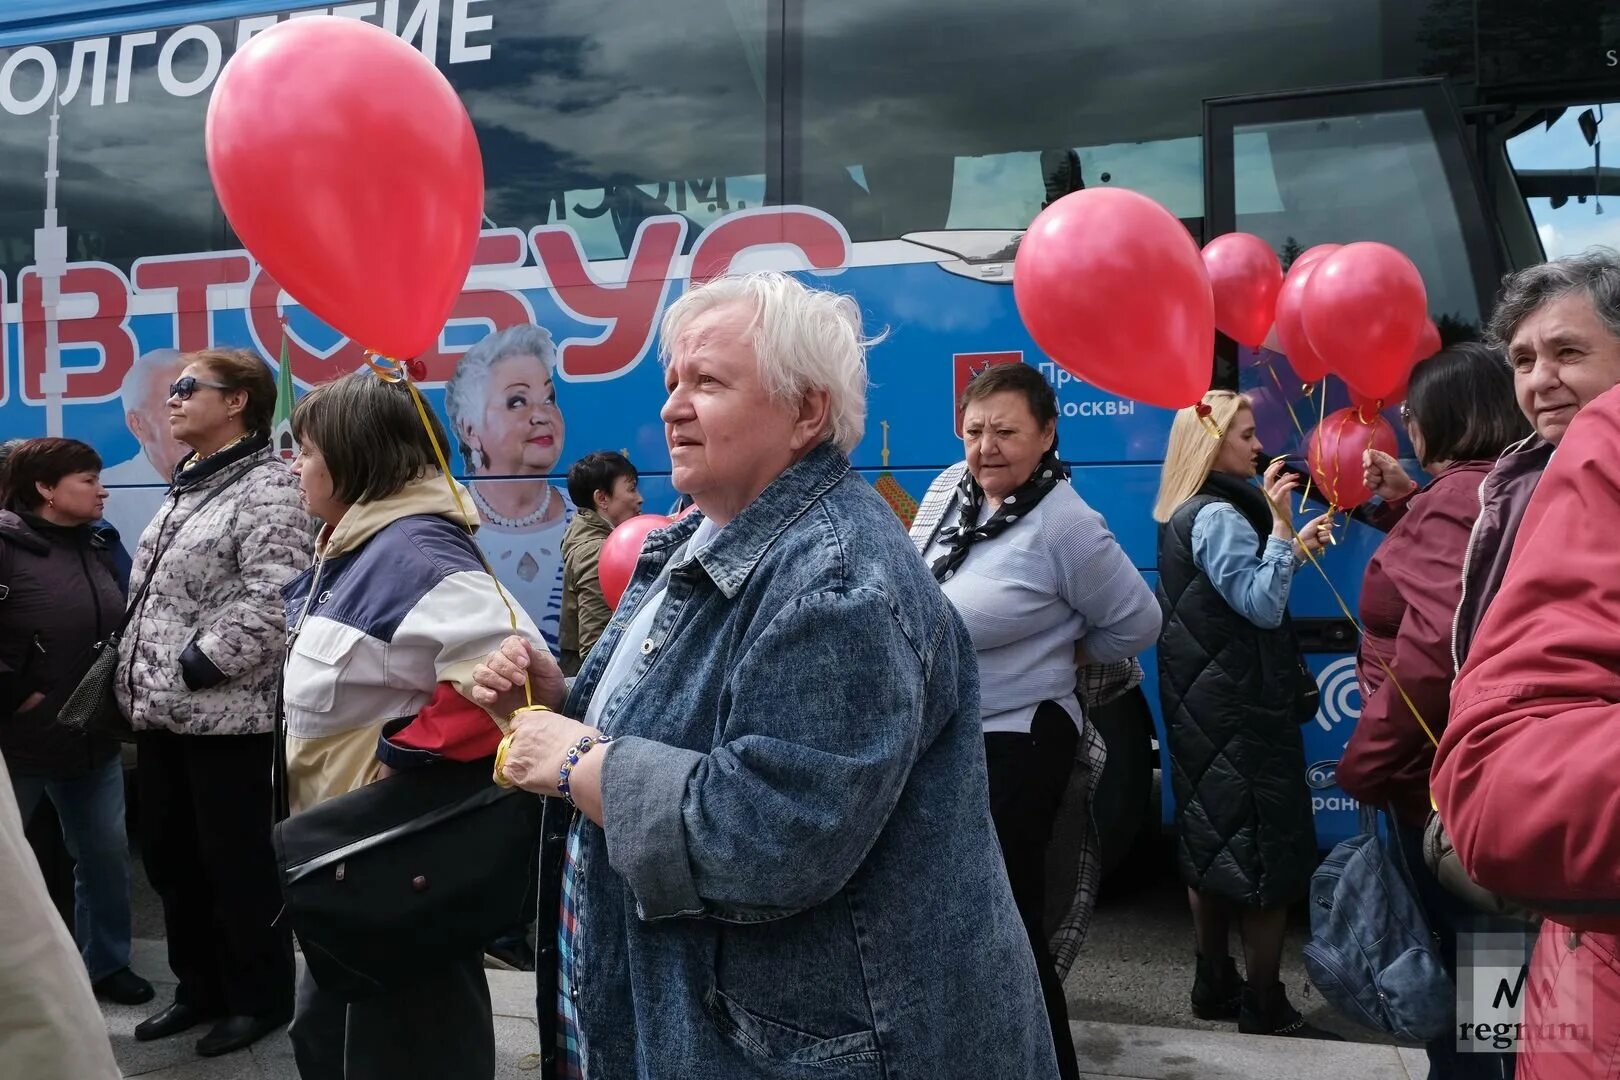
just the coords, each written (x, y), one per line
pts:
(958, 538)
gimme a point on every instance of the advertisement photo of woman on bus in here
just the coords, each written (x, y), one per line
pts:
(502, 402)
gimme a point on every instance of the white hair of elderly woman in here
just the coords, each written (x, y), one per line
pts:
(465, 393)
(804, 339)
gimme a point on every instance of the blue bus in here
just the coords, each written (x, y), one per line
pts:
(890, 149)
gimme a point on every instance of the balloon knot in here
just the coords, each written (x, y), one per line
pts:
(417, 369)
(1203, 409)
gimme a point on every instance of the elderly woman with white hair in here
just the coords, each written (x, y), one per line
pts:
(502, 402)
(769, 850)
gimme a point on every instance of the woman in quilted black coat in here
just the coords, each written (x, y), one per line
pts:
(1231, 693)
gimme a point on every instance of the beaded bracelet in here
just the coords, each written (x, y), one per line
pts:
(582, 747)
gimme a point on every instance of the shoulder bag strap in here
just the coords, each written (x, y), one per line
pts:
(151, 568)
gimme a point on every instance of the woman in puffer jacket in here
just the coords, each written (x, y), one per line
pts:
(61, 597)
(387, 627)
(197, 676)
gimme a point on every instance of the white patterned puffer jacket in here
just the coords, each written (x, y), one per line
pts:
(217, 587)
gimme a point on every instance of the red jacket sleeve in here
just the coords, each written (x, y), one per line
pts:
(448, 726)
(1526, 773)
(1388, 756)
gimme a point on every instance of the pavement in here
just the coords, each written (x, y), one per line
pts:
(1121, 1051)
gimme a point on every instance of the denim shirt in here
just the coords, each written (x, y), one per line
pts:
(798, 875)
(1223, 546)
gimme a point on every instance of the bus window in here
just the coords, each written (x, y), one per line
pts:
(598, 114)
(1383, 164)
(595, 115)
(1572, 194)
(976, 116)
(133, 175)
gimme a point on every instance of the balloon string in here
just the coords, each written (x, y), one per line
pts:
(1361, 631)
(1272, 371)
(395, 371)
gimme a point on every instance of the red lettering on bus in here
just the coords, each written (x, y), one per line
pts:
(629, 309)
(190, 277)
(264, 317)
(823, 241)
(107, 330)
(496, 308)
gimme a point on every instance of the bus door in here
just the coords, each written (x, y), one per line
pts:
(1388, 162)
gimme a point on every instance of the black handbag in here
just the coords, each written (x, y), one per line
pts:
(1307, 694)
(406, 874)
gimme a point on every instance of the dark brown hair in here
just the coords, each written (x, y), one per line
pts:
(1461, 400)
(43, 461)
(370, 435)
(240, 369)
(1018, 379)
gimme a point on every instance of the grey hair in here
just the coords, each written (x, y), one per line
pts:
(136, 392)
(1595, 272)
(464, 393)
(804, 339)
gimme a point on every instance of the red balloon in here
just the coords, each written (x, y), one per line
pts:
(1367, 405)
(1312, 255)
(1246, 277)
(1428, 343)
(1333, 451)
(349, 168)
(621, 551)
(1427, 346)
(1364, 311)
(1290, 332)
(1111, 286)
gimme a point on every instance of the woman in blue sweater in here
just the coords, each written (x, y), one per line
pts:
(1042, 586)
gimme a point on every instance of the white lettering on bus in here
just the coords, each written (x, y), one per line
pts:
(424, 20)
(47, 83)
(470, 41)
(126, 60)
(98, 79)
(355, 11)
(462, 24)
(177, 86)
(257, 24)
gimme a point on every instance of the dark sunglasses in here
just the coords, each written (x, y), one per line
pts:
(186, 385)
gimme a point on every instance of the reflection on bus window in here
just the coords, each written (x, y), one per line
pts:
(952, 123)
(1573, 196)
(598, 114)
(1372, 176)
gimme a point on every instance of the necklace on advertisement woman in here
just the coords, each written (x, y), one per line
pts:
(499, 520)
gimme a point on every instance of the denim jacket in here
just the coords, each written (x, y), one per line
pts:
(798, 876)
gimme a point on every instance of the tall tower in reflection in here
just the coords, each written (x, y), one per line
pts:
(50, 263)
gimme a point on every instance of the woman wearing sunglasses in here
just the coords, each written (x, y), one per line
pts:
(197, 673)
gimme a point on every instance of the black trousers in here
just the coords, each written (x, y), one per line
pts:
(1028, 774)
(205, 838)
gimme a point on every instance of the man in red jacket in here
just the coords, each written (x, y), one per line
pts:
(1525, 778)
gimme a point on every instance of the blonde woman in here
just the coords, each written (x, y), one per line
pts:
(1228, 666)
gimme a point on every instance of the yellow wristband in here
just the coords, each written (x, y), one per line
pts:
(500, 760)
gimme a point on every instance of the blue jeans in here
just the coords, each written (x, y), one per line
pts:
(91, 808)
